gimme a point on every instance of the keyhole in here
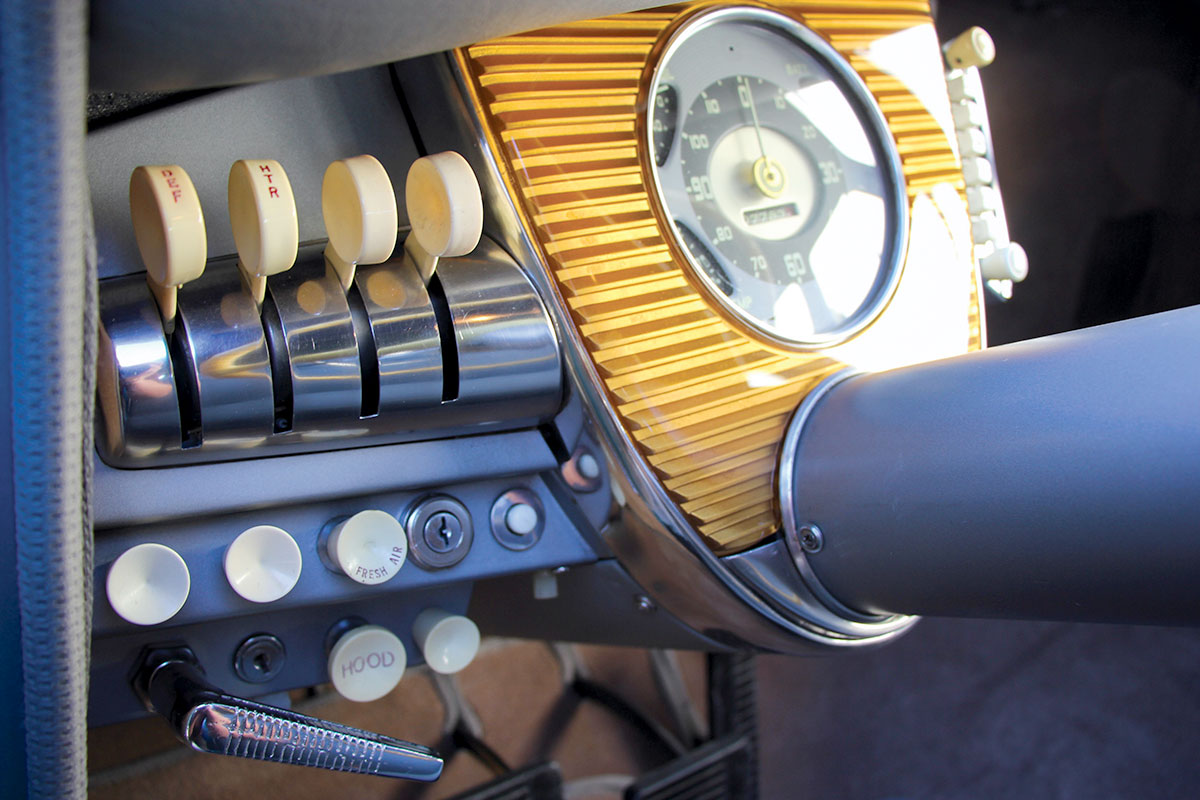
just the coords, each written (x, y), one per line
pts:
(445, 533)
(262, 663)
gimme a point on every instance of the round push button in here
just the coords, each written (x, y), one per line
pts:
(263, 563)
(370, 547)
(448, 641)
(522, 519)
(366, 663)
(148, 584)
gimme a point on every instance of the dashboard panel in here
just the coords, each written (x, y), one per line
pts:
(573, 431)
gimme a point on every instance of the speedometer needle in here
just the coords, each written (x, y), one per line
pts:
(754, 115)
(768, 175)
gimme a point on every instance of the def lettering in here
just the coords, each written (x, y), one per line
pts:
(172, 184)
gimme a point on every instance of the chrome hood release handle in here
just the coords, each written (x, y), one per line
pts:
(171, 683)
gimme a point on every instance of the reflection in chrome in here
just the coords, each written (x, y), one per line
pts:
(405, 331)
(134, 379)
(326, 379)
(229, 350)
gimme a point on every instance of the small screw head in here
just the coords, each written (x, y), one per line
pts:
(811, 538)
(644, 604)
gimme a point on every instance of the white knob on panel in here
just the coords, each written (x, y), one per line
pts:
(445, 208)
(971, 48)
(366, 663)
(263, 563)
(1005, 263)
(968, 115)
(168, 225)
(981, 199)
(148, 584)
(262, 212)
(448, 641)
(370, 547)
(978, 171)
(359, 207)
(971, 142)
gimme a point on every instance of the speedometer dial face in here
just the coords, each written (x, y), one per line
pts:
(778, 173)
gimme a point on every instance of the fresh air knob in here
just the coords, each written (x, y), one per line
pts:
(369, 547)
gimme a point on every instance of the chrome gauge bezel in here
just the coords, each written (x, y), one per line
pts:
(876, 127)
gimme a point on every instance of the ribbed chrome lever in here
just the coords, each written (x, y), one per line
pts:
(171, 683)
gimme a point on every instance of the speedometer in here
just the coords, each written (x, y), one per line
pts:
(776, 169)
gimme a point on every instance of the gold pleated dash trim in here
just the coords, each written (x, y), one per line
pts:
(705, 402)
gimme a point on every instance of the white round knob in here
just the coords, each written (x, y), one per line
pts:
(521, 519)
(448, 641)
(370, 547)
(444, 203)
(971, 48)
(981, 199)
(366, 663)
(262, 212)
(168, 224)
(359, 207)
(1006, 263)
(971, 142)
(148, 584)
(263, 563)
(978, 171)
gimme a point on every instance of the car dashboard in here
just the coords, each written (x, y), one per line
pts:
(540, 350)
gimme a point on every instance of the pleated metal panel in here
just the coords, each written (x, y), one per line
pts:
(562, 108)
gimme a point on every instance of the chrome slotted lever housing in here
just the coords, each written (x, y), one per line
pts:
(171, 682)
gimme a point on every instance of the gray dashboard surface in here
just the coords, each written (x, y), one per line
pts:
(304, 124)
(148, 45)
